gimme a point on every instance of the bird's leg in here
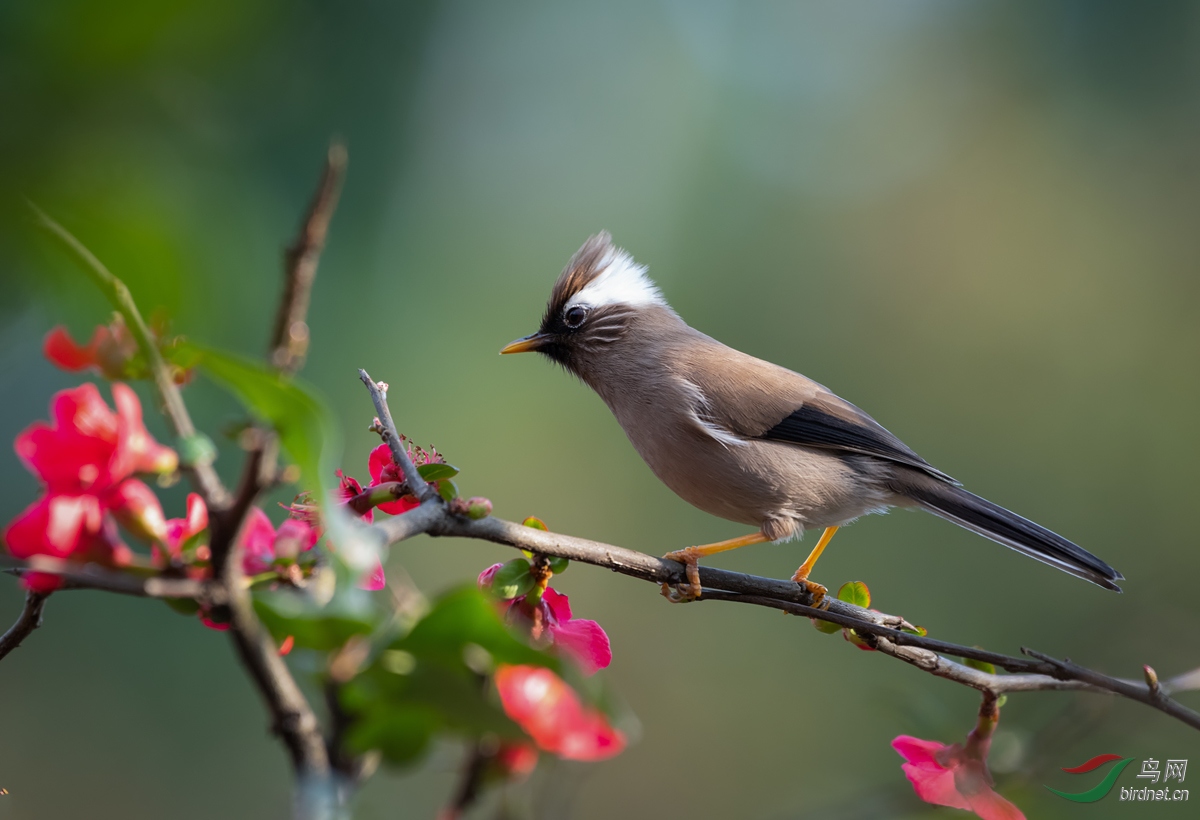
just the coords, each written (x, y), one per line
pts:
(801, 576)
(690, 558)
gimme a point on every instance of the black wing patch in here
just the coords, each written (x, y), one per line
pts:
(812, 427)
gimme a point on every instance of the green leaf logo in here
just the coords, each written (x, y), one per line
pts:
(1104, 786)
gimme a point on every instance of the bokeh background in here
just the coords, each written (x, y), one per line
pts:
(976, 220)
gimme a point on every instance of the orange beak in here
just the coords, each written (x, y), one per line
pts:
(524, 344)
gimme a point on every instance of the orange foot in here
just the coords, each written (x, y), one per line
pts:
(814, 589)
(690, 558)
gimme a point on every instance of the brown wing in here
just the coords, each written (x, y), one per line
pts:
(757, 399)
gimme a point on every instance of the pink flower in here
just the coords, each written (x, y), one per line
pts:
(85, 458)
(583, 640)
(550, 712)
(374, 580)
(262, 544)
(384, 469)
(179, 531)
(956, 775)
(349, 489)
(549, 620)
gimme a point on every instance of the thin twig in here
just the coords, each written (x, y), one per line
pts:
(417, 485)
(293, 717)
(91, 576)
(208, 483)
(475, 766)
(883, 632)
(289, 341)
(29, 620)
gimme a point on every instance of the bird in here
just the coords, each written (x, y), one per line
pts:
(747, 440)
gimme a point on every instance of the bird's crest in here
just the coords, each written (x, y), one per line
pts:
(601, 274)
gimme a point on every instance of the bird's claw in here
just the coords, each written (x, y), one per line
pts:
(819, 601)
(684, 593)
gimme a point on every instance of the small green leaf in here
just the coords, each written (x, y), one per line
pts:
(432, 472)
(825, 626)
(982, 666)
(536, 523)
(512, 579)
(855, 592)
(447, 489)
(558, 565)
(1000, 701)
(918, 630)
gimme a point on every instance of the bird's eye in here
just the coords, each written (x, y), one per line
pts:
(575, 316)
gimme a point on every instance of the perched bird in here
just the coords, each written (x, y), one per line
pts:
(745, 439)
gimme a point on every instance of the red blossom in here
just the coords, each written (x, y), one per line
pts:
(514, 761)
(956, 775)
(551, 713)
(112, 351)
(384, 469)
(109, 351)
(550, 620)
(85, 458)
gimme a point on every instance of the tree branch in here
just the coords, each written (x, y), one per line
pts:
(882, 632)
(289, 341)
(293, 718)
(29, 620)
(91, 576)
(205, 477)
(416, 485)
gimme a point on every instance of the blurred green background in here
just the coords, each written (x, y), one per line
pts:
(976, 220)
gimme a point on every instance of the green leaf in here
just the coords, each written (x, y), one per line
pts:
(536, 523)
(825, 626)
(429, 681)
(350, 612)
(558, 565)
(917, 630)
(855, 592)
(466, 616)
(303, 423)
(401, 733)
(432, 472)
(982, 666)
(1000, 701)
(447, 489)
(512, 579)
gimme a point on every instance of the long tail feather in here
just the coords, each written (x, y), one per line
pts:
(1005, 527)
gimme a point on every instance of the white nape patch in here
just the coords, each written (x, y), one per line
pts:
(699, 412)
(622, 282)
